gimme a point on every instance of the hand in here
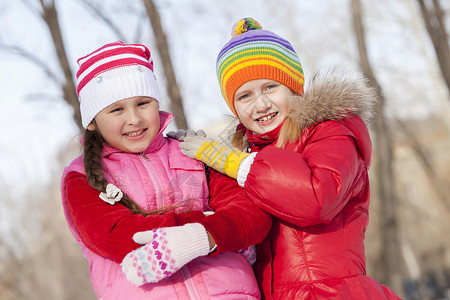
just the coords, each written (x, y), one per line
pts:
(181, 134)
(221, 158)
(166, 250)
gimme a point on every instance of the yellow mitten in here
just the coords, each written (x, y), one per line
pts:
(221, 158)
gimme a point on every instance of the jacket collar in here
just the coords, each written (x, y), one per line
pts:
(261, 140)
(335, 94)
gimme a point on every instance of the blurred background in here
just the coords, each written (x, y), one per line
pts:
(402, 45)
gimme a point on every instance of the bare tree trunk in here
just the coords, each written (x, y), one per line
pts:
(434, 22)
(163, 49)
(390, 253)
(50, 17)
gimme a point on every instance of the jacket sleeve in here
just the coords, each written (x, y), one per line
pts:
(237, 221)
(310, 187)
(106, 229)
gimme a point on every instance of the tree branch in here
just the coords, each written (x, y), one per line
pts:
(435, 25)
(98, 12)
(32, 58)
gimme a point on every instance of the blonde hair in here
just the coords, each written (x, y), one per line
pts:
(237, 140)
(93, 146)
(290, 132)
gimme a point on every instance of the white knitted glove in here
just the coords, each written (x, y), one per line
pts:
(166, 250)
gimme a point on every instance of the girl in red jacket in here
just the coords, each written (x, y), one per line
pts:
(302, 157)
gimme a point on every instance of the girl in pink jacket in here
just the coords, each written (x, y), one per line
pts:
(132, 179)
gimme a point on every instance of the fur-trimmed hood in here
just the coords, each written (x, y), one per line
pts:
(335, 94)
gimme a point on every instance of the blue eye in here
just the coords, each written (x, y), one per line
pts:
(244, 97)
(270, 86)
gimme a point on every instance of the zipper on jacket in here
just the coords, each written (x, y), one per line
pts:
(190, 284)
(156, 180)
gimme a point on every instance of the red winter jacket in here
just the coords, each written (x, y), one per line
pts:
(317, 190)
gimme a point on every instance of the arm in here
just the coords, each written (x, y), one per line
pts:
(108, 229)
(237, 222)
(305, 188)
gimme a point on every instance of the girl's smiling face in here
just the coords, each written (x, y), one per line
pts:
(130, 124)
(262, 104)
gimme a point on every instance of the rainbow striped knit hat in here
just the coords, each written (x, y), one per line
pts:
(254, 53)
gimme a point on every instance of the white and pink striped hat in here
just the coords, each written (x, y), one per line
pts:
(112, 73)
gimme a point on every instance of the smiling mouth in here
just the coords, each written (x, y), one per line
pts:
(136, 133)
(267, 118)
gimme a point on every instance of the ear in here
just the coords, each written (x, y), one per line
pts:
(91, 126)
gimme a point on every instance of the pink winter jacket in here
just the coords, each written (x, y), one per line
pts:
(175, 178)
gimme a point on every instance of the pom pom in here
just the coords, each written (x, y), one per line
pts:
(244, 25)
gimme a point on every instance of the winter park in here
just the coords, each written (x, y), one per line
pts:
(400, 50)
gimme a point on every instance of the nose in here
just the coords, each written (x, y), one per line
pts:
(262, 103)
(133, 117)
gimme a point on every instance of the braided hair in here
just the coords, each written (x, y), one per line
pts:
(93, 146)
